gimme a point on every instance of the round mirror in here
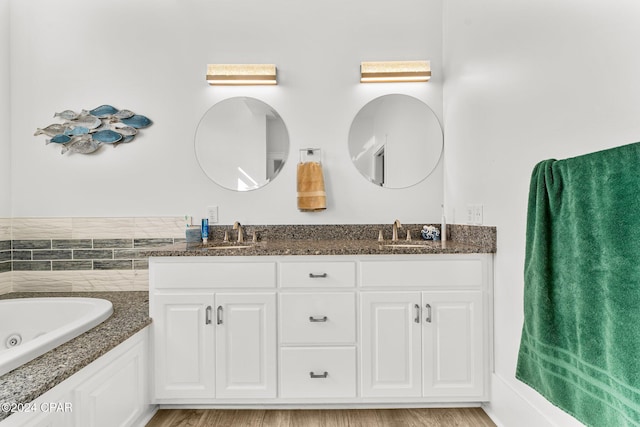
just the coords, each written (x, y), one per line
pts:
(395, 141)
(241, 143)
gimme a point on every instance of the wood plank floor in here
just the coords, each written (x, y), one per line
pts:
(431, 417)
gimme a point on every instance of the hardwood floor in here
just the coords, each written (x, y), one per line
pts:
(431, 417)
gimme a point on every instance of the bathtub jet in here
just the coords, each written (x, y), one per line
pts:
(29, 327)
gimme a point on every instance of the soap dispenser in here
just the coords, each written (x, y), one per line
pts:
(205, 230)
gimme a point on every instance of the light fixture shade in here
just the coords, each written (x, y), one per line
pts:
(241, 74)
(395, 71)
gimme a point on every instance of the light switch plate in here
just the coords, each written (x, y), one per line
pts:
(474, 214)
(212, 214)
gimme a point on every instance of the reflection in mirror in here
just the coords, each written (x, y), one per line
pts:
(241, 143)
(395, 141)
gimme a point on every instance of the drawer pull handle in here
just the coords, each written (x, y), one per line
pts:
(325, 374)
(219, 315)
(318, 276)
(207, 319)
(318, 319)
(417, 319)
(428, 318)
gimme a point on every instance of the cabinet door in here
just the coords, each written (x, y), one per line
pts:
(183, 346)
(391, 359)
(452, 344)
(116, 396)
(246, 345)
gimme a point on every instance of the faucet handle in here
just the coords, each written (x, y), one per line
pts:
(408, 235)
(238, 226)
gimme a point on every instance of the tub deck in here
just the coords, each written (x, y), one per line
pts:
(29, 381)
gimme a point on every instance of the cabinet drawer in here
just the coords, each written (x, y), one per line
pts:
(318, 274)
(196, 274)
(318, 318)
(318, 372)
(451, 272)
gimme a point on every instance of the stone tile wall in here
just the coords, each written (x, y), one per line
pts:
(5, 255)
(82, 254)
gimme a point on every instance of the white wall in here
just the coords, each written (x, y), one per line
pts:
(527, 81)
(150, 56)
(5, 114)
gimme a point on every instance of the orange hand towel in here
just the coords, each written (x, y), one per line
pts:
(311, 194)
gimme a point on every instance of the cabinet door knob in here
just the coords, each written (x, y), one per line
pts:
(318, 319)
(207, 319)
(325, 374)
(318, 276)
(219, 315)
(428, 318)
(417, 319)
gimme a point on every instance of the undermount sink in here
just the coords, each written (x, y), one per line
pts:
(404, 245)
(227, 247)
(220, 246)
(418, 245)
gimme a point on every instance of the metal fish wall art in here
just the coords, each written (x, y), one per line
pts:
(85, 132)
(66, 115)
(103, 111)
(137, 121)
(59, 139)
(78, 130)
(51, 130)
(107, 136)
(82, 144)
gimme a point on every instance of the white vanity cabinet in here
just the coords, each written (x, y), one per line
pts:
(422, 344)
(334, 330)
(214, 329)
(426, 327)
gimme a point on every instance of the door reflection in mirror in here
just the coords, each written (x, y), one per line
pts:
(395, 141)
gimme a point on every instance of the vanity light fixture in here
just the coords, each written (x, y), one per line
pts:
(241, 74)
(395, 71)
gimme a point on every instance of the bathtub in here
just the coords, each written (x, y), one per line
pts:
(29, 327)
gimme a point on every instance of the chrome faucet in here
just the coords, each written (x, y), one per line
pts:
(238, 226)
(396, 225)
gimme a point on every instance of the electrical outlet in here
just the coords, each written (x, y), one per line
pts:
(474, 214)
(212, 214)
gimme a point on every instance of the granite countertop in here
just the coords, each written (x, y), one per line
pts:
(336, 239)
(317, 247)
(27, 382)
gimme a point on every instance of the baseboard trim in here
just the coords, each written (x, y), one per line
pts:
(322, 405)
(144, 419)
(508, 407)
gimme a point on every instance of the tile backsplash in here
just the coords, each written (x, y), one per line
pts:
(5, 255)
(81, 254)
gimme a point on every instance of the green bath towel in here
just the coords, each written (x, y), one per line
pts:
(580, 343)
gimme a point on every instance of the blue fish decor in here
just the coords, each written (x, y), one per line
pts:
(79, 130)
(103, 111)
(59, 139)
(107, 136)
(137, 121)
(87, 131)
